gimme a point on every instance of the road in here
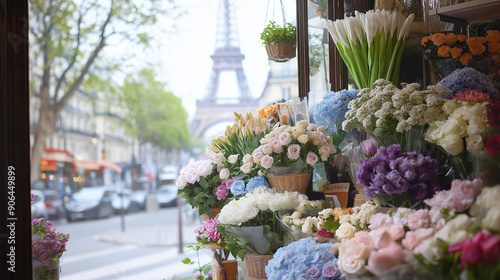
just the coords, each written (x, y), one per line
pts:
(148, 249)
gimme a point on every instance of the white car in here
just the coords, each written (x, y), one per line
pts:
(38, 208)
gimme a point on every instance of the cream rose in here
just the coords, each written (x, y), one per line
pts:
(312, 158)
(257, 156)
(474, 143)
(224, 173)
(492, 219)
(247, 158)
(267, 149)
(266, 161)
(246, 168)
(452, 143)
(350, 264)
(303, 138)
(345, 231)
(232, 159)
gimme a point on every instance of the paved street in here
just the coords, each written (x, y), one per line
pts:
(148, 249)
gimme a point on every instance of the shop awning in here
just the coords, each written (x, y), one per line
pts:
(88, 165)
(110, 165)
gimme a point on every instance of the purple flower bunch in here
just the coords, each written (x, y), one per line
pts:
(411, 177)
(223, 189)
(462, 80)
(303, 259)
(207, 232)
(47, 244)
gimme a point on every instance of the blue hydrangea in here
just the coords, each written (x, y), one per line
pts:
(238, 188)
(468, 78)
(256, 182)
(302, 259)
(331, 110)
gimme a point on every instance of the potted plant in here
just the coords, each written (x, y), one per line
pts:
(280, 41)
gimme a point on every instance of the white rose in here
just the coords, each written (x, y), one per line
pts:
(251, 213)
(232, 159)
(345, 231)
(451, 126)
(474, 143)
(307, 227)
(303, 138)
(492, 219)
(431, 251)
(296, 215)
(452, 143)
(449, 106)
(224, 173)
(247, 158)
(260, 173)
(350, 264)
(246, 168)
(452, 232)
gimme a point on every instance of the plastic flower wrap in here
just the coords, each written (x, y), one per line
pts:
(251, 224)
(400, 179)
(462, 80)
(371, 44)
(47, 246)
(292, 149)
(200, 184)
(303, 259)
(233, 151)
(387, 112)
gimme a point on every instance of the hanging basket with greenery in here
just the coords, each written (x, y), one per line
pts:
(280, 41)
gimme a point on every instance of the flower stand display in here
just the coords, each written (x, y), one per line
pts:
(290, 182)
(256, 265)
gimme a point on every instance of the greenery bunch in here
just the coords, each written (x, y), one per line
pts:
(274, 33)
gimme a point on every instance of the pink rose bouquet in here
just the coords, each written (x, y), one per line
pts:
(201, 186)
(208, 233)
(293, 149)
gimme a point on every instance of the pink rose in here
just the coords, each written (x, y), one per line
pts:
(267, 149)
(419, 219)
(285, 138)
(293, 151)
(378, 220)
(324, 150)
(312, 158)
(266, 161)
(257, 156)
(440, 224)
(365, 241)
(381, 238)
(397, 231)
(277, 148)
(410, 241)
(221, 192)
(385, 259)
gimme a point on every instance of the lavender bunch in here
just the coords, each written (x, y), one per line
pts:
(400, 179)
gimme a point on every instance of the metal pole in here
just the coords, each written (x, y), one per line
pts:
(122, 214)
(179, 207)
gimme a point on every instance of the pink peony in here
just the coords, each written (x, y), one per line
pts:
(221, 192)
(293, 151)
(285, 138)
(266, 161)
(385, 259)
(419, 219)
(312, 158)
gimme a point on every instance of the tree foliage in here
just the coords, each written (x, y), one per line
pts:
(67, 38)
(154, 115)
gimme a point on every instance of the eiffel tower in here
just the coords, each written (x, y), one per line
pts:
(213, 109)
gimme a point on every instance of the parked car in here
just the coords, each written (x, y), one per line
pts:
(167, 195)
(139, 197)
(90, 203)
(54, 204)
(38, 209)
(126, 197)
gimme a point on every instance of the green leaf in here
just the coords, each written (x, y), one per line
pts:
(204, 183)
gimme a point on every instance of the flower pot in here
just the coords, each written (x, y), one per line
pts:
(281, 52)
(230, 268)
(290, 182)
(256, 265)
(45, 271)
(215, 211)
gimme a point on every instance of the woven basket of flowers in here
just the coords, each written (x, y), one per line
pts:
(256, 265)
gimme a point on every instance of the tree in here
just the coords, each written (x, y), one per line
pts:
(154, 115)
(68, 38)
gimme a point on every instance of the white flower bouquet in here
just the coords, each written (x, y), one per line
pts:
(251, 224)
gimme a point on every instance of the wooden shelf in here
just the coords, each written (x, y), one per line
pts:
(471, 11)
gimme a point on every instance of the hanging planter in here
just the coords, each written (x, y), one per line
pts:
(280, 41)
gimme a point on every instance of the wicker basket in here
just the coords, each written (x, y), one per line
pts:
(290, 182)
(215, 211)
(211, 246)
(281, 52)
(256, 265)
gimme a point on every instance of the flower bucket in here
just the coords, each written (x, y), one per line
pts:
(215, 211)
(230, 268)
(290, 182)
(281, 52)
(43, 271)
(256, 265)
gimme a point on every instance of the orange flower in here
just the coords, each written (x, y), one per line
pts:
(267, 112)
(494, 48)
(461, 37)
(456, 52)
(493, 36)
(438, 39)
(424, 41)
(475, 45)
(450, 38)
(444, 51)
(465, 58)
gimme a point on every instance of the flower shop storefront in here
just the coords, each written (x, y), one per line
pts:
(384, 177)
